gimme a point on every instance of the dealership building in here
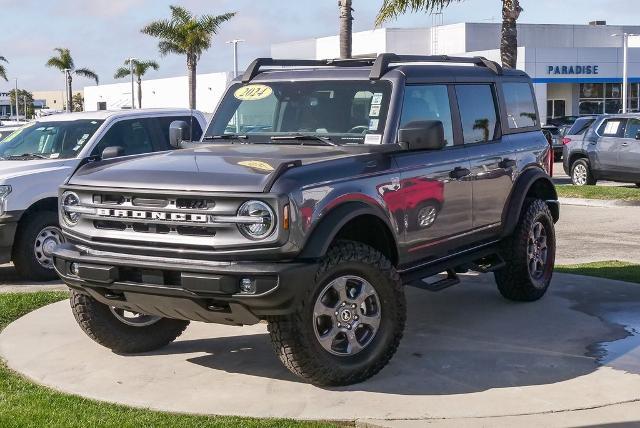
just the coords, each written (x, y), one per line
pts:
(576, 69)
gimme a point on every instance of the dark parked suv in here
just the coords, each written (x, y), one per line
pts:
(610, 150)
(319, 190)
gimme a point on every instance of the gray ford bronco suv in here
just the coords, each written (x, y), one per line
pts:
(319, 190)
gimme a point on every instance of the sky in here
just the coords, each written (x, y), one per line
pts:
(102, 33)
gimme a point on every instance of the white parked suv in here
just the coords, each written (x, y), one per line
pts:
(38, 158)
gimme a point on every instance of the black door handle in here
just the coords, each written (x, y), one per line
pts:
(507, 163)
(459, 172)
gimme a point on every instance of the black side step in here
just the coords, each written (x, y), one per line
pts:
(487, 264)
(450, 280)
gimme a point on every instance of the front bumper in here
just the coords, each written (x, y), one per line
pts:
(185, 289)
(7, 235)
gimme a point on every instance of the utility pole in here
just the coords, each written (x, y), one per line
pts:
(133, 98)
(625, 77)
(235, 42)
(24, 99)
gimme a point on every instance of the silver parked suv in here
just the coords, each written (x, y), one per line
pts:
(610, 150)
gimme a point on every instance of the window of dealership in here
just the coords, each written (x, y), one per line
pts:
(598, 98)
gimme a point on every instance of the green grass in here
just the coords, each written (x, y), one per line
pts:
(25, 404)
(598, 192)
(612, 269)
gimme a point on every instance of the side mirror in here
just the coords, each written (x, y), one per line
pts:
(422, 135)
(112, 152)
(179, 131)
(638, 135)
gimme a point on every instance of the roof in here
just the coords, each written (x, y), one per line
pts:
(105, 114)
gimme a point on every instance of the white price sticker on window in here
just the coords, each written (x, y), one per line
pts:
(373, 139)
(612, 127)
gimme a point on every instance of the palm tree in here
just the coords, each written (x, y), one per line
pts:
(3, 70)
(346, 28)
(482, 125)
(63, 62)
(186, 34)
(511, 10)
(140, 68)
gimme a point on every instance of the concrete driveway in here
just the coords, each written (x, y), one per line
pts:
(467, 355)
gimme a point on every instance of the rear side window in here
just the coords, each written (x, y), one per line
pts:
(429, 102)
(632, 129)
(610, 128)
(477, 112)
(521, 109)
(580, 126)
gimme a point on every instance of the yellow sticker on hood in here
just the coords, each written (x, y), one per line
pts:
(253, 92)
(262, 166)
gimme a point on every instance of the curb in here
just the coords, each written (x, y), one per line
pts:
(598, 202)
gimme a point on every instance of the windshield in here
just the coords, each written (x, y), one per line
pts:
(338, 112)
(49, 140)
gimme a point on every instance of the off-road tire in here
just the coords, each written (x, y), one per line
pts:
(590, 179)
(23, 256)
(99, 323)
(514, 280)
(293, 337)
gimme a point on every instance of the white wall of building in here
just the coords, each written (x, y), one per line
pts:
(159, 93)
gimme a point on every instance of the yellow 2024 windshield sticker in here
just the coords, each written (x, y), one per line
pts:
(253, 92)
(259, 165)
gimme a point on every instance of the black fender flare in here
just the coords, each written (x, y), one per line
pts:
(525, 182)
(323, 234)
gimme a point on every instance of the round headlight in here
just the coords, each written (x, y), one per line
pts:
(260, 220)
(69, 199)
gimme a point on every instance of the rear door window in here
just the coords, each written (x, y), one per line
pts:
(521, 109)
(611, 128)
(477, 113)
(428, 102)
(632, 129)
(134, 136)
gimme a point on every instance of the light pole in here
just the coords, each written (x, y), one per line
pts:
(625, 67)
(17, 105)
(235, 42)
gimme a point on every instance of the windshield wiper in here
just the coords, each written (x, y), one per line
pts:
(224, 137)
(27, 155)
(304, 137)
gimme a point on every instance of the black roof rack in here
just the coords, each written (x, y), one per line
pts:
(379, 66)
(254, 69)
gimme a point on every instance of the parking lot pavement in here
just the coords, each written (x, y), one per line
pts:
(11, 283)
(466, 353)
(587, 234)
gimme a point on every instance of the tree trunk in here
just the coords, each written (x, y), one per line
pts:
(509, 41)
(69, 92)
(191, 67)
(346, 28)
(139, 92)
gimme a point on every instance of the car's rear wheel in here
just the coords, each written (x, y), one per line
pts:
(529, 255)
(122, 331)
(350, 322)
(581, 174)
(35, 240)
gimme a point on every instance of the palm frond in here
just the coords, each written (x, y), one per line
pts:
(3, 59)
(161, 29)
(121, 72)
(3, 73)
(55, 62)
(391, 9)
(89, 74)
(143, 66)
(179, 13)
(65, 57)
(211, 23)
(166, 47)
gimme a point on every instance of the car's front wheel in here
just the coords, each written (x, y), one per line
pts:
(581, 174)
(350, 322)
(35, 240)
(122, 331)
(529, 254)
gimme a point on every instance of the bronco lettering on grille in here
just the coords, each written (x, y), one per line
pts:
(153, 215)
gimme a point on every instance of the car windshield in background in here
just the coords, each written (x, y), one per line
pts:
(48, 140)
(312, 112)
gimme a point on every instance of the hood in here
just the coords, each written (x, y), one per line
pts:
(13, 168)
(213, 168)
